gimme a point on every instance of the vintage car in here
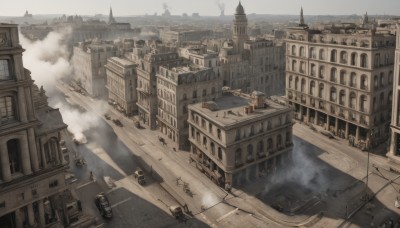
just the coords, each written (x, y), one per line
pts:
(103, 205)
(140, 176)
(118, 123)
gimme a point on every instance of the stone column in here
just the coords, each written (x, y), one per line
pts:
(393, 143)
(26, 159)
(308, 114)
(357, 134)
(19, 218)
(31, 215)
(22, 104)
(41, 213)
(5, 162)
(316, 118)
(327, 122)
(336, 126)
(29, 103)
(33, 150)
(41, 142)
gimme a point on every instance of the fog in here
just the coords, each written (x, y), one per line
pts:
(49, 63)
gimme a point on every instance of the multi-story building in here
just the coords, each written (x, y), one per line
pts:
(239, 137)
(121, 84)
(181, 36)
(341, 78)
(88, 60)
(394, 151)
(147, 84)
(177, 87)
(33, 166)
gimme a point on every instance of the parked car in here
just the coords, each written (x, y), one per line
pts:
(176, 211)
(118, 123)
(108, 117)
(140, 176)
(328, 134)
(103, 205)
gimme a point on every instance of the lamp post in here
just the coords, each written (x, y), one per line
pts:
(371, 135)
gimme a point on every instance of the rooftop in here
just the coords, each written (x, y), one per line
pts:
(230, 109)
(121, 61)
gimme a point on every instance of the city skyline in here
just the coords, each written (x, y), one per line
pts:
(205, 8)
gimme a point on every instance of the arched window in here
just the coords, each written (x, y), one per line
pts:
(302, 52)
(294, 65)
(312, 88)
(219, 153)
(321, 54)
(279, 141)
(377, 60)
(352, 100)
(204, 141)
(321, 72)
(342, 97)
(312, 53)
(363, 103)
(382, 79)
(294, 50)
(269, 125)
(7, 109)
(342, 77)
(290, 81)
(364, 82)
(238, 156)
(381, 99)
(390, 97)
(5, 69)
(376, 84)
(312, 69)
(303, 85)
(333, 55)
(343, 57)
(333, 75)
(333, 94)
(250, 153)
(51, 152)
(14, 155)
(212, 147)
(296, 83)
(353, 59)
(364, 60)
(321, 90)
(353, 79)
(270, 144)
(260, 148)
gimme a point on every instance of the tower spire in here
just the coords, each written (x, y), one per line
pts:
(301, 17)
(111, 17)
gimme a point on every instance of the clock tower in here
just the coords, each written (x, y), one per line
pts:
(239, 29)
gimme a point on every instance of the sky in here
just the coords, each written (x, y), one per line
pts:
(204, 7)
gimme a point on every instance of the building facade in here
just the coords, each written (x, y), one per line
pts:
(147, 83)
(178, 87)
(341, 78)
(33, 166)
(121, 84)
(238, 137)
(89, 60)
(394, 151)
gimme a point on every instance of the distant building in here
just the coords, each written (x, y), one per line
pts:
(341, 78)
(34, 191)
(181, 36)
(27, 15)
(88, 60)
(239, 137)
(177, 87)
(121, 84)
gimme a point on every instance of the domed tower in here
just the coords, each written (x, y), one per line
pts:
(239, 29)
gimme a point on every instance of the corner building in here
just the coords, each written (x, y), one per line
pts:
(239, 137)
(341, 79)
(32, 168)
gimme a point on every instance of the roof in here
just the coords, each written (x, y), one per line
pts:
(239, 9)
(231, 110)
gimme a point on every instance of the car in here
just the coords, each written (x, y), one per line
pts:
(328, 134)
(108, 117)
(141, 180)
(140, 176)
(103, 205)
(118, 123)
(176, 211)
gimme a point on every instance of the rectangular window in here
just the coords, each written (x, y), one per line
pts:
(53, 184)
(4, 70)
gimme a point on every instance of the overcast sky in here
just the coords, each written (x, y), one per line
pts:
(204, 7)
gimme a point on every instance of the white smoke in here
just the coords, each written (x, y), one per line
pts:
(48, 61)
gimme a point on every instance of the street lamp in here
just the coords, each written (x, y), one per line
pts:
(371, 135)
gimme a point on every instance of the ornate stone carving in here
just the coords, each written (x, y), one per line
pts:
(3, 40)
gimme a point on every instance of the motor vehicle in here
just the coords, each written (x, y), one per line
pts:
(103, 205)
(108, 117)
(140, 176)
(176, 211)
(118, 123)
(327, 134)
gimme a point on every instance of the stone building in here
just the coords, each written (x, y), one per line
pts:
(121, 84)
(177, 87)
(341, 78)
(394, 151)
(239, 137)
(199, 55)
(33, 166)
(251, 63)
(146, 81)
(88, 60)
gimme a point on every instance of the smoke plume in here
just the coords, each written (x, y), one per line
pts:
(165, 6)
(220, 5)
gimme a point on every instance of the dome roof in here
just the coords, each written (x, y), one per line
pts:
(239, 9)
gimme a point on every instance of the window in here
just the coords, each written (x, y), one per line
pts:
(204, 141)
(321, 54)
(352, 100)
(333, 75)
(294, 65)
(213, 90)
(212, 146)
(14, 152)
(204, 92)
(260, 148)
(4, 70)
(363, 103)
(290, 81)
(377, 60)
(333, 94)
(250, 153)
(303, 85)
(7, 109)
(342, 77)
(353, 79)
(364, 59)
(195, 94)
(376, 81)
(312, 73)
(364, 82)
(321, 90)
(184, 97)
(210, 127)
(238, 157)
(219, 153)
(342, 97)
(293, 50)
(219, 133)
(353, 61)
(312, 53)
(296, 83)
(382, 79)
(302, 52)
(53, 183)
(321, 72)
(333, 55)
(343, 57)
(312, 88)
